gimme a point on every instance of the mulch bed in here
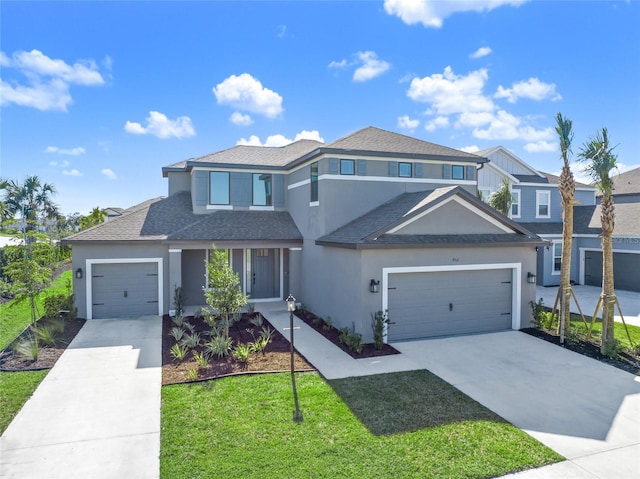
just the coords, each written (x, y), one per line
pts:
(47, 357)
(591, 348)
(276, 357)
(333, 334)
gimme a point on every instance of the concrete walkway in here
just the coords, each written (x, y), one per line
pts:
(583, 409)
(588, 298)
(97, 413)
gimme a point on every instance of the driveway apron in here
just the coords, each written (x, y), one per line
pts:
(97, 413)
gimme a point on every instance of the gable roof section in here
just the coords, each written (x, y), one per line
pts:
(378, 228)
(369, 141)
(627, 183)
(501, 149)
(171, 219)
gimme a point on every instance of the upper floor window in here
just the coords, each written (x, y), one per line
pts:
(543, 204)
(347, 167)
(314, 182)
(405, 170)
(457, 172)
(557, 257)
(262, 190)
(218, 188)
(515, 203)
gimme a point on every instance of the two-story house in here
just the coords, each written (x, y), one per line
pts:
(537, 205)
(373, 221)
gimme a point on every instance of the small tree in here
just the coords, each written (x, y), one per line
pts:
(28, 279)
(501, 200)
(96, 217)
(224, 293)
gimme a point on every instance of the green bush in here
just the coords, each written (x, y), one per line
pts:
(378, 321)
(612, 348)
(351, 339)
(47, 334)
(219, 345)
(178, 352)
(28, 348)
(540, 314)
(242, 352)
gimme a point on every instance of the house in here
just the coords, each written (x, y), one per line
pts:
(626, 187)
(373, 221)
(537, 206)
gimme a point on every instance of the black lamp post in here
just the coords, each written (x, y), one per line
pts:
(291, 307)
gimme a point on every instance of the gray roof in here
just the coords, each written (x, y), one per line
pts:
(627, 183)
(370, 229)
(369, 141)
(531, 179)
(171, 219)
(586, 220)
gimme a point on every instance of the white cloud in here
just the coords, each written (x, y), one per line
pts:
(241, 119)
(431, 13)
(281, 31)
(370, 67)
(540, 146)
(245, 92)
(533, 89)
(65, 151)
(438, 122)
(450, 93)
(72, 172)
(406, 123)
(281, 140)
(48, 80)
(481, 52)
(162, 127)
(505, 126)
(63, 163)
(108, 172)
(470, 149)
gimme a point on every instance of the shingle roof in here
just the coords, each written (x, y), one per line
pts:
(627, 183)
(532, 179)
(555, 180)
(172, 219)
(371, 228)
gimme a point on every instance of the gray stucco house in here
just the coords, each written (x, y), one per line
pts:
(373, 221)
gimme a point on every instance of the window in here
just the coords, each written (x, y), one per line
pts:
(347, 167)
(457, 172)
(262, 189)
(314, 182)
(557, 258)
(485, 193)
(405, 170)
(515, 203)
(218, 188)
(543, 207)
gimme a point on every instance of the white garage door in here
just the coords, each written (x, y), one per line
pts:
(444, 303)
(124, 290)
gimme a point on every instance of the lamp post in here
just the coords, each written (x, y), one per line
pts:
(291, 307)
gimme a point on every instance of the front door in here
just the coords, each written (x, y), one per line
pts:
(263, 273)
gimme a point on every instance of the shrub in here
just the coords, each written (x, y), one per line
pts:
(178, 320)
(351, 339)
(178, 301)
(178, 352)
(573, 335)
(177, 333)
(328, 324)
(259, 344)
(193, 374)
(28, 348)
(251, 308)
(540, 315)
(55, 303)
(378, 321)
(241, 353)
(257, 320)
(219, 345)
(191, 340)
(48, 333)
(612, 348)
(201, 359)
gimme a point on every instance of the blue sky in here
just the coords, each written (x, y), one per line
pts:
(96, 97)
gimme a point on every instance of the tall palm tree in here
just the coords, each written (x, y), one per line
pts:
(567, 189)
(600, 161)
(501, 200)
(31, 200)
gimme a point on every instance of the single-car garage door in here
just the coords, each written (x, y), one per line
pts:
(443, 303)
(626, 270)
(121, 290)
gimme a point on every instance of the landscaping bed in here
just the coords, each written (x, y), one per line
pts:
(276, 356)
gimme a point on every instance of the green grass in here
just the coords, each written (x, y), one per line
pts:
(15, 389)
(393, 425)
(14, 317)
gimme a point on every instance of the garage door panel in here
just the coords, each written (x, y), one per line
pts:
(124, 290)
(626, 270)
(449, 302)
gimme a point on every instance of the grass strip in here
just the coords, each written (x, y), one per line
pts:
(15, 389)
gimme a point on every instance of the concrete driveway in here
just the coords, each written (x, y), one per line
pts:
(586, 410)
(97, 413)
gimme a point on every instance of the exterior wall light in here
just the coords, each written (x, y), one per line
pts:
(531, 278)
(374, 286)
(79, 273)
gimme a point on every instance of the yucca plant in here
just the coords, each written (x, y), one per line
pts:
(257, 320)
(201, 359)
(242, 352)
(178, 320)
(178, 352)
(177, 333)
(219, 345)
(191, 340)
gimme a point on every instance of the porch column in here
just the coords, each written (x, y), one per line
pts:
(175, 273)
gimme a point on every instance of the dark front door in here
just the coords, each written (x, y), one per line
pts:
(263, 274)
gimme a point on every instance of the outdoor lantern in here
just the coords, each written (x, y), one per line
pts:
(374, 286)
(79, 273)
(531, 278)
(291, 303)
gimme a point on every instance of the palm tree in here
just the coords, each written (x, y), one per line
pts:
(94, 218)
(567, 189)
(501, 200)
(600, 161)
(31, 200)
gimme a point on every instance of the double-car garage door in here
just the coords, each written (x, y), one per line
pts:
(120, 290)
(427, 304)
(626, 270)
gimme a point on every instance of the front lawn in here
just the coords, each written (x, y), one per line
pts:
(393, 425)
(15, 389)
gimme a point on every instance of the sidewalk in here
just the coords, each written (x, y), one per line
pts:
(97, 413)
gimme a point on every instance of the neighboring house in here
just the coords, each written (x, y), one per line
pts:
(537, 205)
(373, 221)
(113, 212)
(626, 187)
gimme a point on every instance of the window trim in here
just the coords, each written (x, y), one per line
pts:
(269, 198)
(405, 163)
(210, 199)
(515, 193)
(453, 168)
(553, 258)
(539, 195)
(348, 161)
